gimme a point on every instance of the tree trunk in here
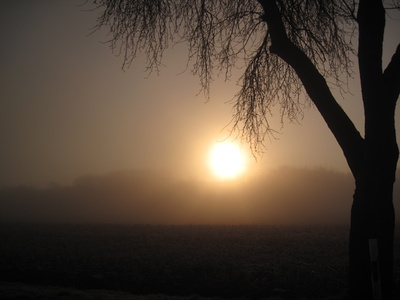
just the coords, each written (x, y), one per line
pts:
(372, 218)
(372, 214)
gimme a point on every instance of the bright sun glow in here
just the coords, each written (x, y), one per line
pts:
(226, 160)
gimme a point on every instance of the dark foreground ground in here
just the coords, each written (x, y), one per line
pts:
(175, 262)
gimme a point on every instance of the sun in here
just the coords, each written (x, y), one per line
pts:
(226, 160)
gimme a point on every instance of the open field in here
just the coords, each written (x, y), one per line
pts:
(287, 262)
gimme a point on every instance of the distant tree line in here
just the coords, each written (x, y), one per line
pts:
(285, 195)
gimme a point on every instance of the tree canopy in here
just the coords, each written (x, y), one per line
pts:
(222, 35)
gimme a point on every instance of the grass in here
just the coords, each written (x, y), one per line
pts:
(179, 261)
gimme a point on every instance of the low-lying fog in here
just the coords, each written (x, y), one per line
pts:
(283, 196)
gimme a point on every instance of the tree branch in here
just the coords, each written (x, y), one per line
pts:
(371, 20)
(391, 76)
(337, 120)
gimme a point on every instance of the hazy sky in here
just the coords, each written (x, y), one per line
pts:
(67, 108)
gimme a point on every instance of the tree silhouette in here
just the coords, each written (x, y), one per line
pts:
(294, 52)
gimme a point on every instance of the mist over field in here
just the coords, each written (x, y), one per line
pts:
(283, 196)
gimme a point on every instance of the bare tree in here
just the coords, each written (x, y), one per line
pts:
(294, 51)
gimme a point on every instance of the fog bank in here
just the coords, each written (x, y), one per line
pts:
(283, 196)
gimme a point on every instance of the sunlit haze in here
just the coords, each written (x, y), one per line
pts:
(68, 111)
